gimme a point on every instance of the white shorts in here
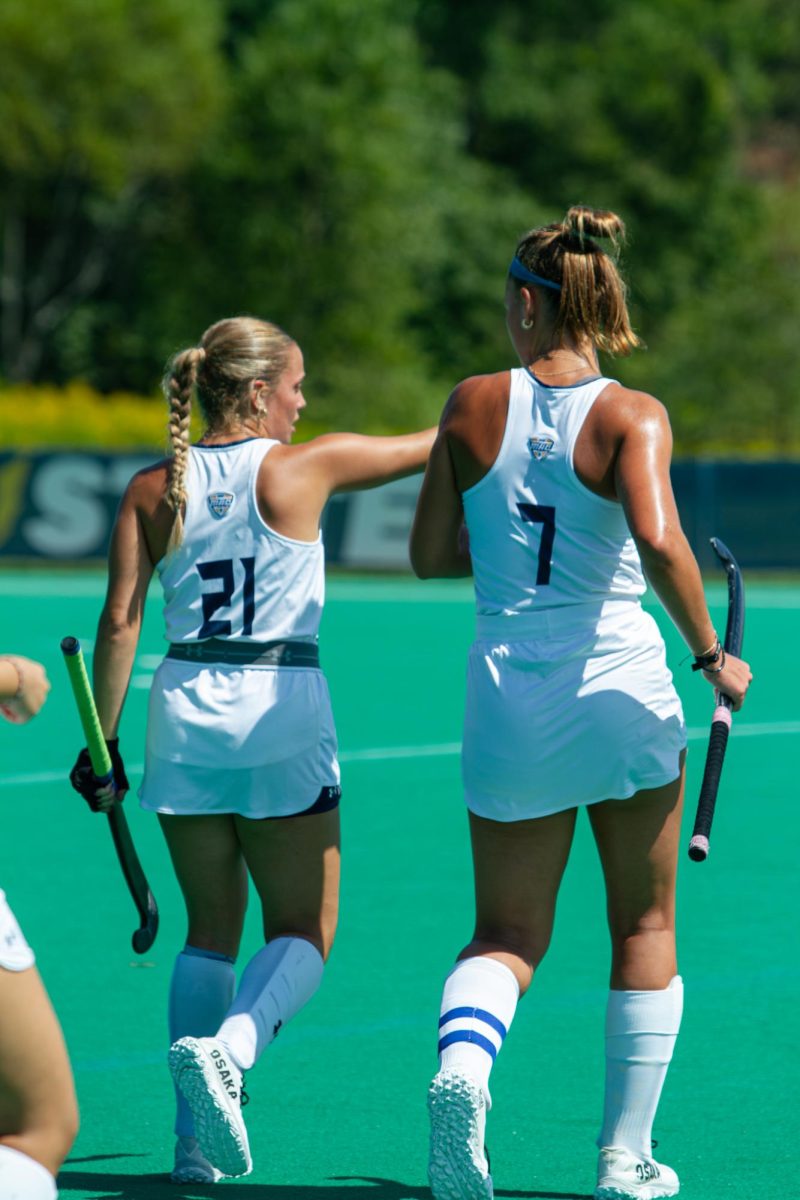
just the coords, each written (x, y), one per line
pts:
(570, 719)
(258, 741)
(15, 953)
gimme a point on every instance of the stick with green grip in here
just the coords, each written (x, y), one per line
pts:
(138, 887)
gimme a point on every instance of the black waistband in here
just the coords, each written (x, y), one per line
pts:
(247, 654)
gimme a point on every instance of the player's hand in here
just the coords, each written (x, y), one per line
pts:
(33, 688)
(732, 681)
(83, 779)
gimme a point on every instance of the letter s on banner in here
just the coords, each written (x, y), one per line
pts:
(72, 521)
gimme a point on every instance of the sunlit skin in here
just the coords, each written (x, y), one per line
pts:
(537, 344)
(285, 402)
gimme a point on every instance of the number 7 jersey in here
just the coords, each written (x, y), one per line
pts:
(233, 576)
(539, 539)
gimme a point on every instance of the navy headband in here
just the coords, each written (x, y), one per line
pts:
(520, 271)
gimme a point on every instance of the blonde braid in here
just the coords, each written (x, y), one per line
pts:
(179, 385)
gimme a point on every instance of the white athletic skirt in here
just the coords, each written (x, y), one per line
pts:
(258, 741)
(15, 953)
(580, 714)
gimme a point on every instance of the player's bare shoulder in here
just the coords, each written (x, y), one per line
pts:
(473, 423)
(145, 501)
(147, 489)
(479, 398)
(621, 410)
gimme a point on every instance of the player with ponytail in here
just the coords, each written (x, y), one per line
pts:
(561, 476)
(241, 757)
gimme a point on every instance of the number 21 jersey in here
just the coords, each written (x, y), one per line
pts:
(232, 576)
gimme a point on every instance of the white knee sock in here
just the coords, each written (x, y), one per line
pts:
(478, 1005)
(641, 1029)
(200, 995)
(22, 1178)
(275, 985)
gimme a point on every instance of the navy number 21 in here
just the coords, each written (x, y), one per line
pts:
(222, 570)
(544, 515)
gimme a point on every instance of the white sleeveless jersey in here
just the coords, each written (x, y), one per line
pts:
(232, 576)
(539, 539)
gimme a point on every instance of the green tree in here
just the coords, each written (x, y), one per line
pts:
(324, 203)
(98, 97)
(682, 116)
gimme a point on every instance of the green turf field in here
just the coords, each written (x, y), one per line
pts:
(338, 1101)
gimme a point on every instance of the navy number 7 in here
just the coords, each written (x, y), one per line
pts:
(222, 570)
(544, 515)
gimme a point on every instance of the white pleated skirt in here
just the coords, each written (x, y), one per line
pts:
(257, 741)
(585, 712)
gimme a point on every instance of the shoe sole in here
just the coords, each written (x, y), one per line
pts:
(613, 1192)
(194, 1175)
(453, 1102)
(222, 1139)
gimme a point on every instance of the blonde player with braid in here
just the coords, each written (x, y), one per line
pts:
(241, 758)
(562, 478)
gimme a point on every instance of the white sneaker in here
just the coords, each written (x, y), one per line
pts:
(623, 1175)
(212, 1085)
(458, 1168)
(191, 1165)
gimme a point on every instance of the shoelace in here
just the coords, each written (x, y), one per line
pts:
(243, 1096)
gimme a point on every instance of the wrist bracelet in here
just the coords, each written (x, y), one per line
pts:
(703, 662)
(716, 670)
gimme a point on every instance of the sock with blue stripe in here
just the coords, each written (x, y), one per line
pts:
(275, 985)
(200, 994)
(478, 1004)
(641, 1030)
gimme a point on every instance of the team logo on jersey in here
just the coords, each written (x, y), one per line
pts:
(220, 504)
(540, 447)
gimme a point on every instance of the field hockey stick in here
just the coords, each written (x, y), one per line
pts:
(721, 721)
(138, 887)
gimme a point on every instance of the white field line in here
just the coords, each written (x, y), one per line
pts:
(433, 750)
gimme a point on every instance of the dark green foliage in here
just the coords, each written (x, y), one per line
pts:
(360, 173)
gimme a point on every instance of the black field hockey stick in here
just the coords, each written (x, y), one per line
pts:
(721, 721)
(138, 886)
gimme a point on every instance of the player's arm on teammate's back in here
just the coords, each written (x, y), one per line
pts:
(644, 488)
(350, 461)
(130, 569)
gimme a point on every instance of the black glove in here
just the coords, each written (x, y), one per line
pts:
(84, 780)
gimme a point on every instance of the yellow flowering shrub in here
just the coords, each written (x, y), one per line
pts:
(41, 416)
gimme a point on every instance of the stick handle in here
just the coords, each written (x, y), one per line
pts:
(87, 710)
(721, 721)
(715, 756)
(135, 878)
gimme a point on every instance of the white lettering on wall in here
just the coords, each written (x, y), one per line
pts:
(71, 492)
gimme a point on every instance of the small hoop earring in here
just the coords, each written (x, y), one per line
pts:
(526, 323)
